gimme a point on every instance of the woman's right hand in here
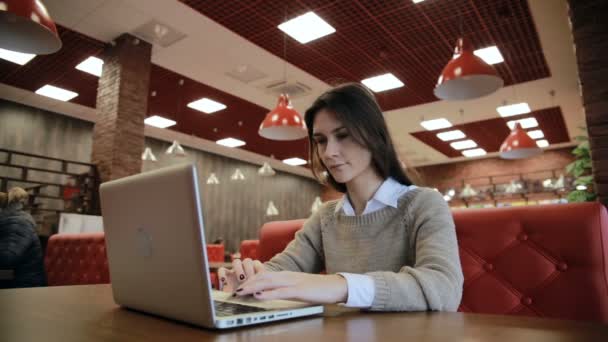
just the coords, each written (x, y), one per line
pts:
(230, 279)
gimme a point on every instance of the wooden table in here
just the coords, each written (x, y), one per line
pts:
(88, 313)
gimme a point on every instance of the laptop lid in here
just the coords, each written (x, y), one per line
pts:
(155, 244)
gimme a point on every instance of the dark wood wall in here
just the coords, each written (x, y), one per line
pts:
(233, 210)
(31, 130)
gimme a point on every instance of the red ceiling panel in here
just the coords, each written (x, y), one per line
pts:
(170, 98)
(489, 134)
(413, 41)
(171, 101)
(58, 69)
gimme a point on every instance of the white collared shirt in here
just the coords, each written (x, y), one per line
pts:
(361, 290)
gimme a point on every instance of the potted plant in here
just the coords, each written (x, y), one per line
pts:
(580, 168)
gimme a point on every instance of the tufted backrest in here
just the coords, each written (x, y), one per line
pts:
(73, 259)
(249, 248)
(274, 236)
(547, 260)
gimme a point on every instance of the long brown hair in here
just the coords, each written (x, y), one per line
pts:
(356, 108)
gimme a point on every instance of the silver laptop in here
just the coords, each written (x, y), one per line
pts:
(155, 242)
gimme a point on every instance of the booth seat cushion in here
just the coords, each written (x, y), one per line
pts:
(274, 236)
(545, 260)
(73, 259)
(248, 249)
(215, 253)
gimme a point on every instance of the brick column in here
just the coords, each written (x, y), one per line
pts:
(122, 103)
(590, 33)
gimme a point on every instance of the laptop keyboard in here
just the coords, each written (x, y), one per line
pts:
(229, 309)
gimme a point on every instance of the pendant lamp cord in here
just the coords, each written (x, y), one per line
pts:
(285, 49)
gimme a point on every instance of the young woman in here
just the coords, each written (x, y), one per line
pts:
(385, 245)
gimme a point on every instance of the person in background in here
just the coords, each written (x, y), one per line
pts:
(386, 245)
(20, 249)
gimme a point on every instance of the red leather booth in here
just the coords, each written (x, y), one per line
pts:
(77, 259)
(74, 259)
(248, 249)
(546, 260)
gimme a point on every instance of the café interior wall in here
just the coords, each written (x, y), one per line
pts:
(233, 210)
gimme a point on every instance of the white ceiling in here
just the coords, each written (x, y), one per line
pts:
(210, 50)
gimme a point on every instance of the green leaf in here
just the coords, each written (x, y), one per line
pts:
(584, 180)
(577, 196)
(570, 167)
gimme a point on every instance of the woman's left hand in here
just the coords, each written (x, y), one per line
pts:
(314, 288)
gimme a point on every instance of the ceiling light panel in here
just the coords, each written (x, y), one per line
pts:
(382, 82)
(514, 109)
(306, 28)
(536, 134)
(451, 135)
(230, 142)
(431, 125)
(525, 123)
(464, 144)
(542, 143)
(474, 153)
(490, 55)
(16, 57)
(92, 65)
(56, 93)
(206, 105)
(294, 161)
(159, 121)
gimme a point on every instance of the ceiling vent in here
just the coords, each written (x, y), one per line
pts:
(158, 33)
(294, 89)
(246, 73)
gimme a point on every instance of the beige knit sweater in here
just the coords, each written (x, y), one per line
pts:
(410, 251)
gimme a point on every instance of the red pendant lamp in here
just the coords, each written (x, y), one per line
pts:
(519, 145)
(25, 26)
(466, 76)
(283, 122)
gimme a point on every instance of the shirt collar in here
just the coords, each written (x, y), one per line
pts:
(387, 194)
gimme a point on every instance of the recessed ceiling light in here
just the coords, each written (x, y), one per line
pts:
(542, 143)
(16, 57)
(514, 109)
(417, 1)
(451, 135)
(230, 142)
(306, 27)
(159, 121)
(92, 65)
(206, 105)
(431, 125)
(461, 145)
(525, 123)
(294, 161)
(56, 93)
(382, 82)
(474, 153)
(490, 55)
(536, 134)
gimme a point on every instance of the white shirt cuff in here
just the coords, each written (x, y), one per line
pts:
(361, 290)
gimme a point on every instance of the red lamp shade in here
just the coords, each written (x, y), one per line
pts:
(283, 122)
(466, 76)
(519, 145)
(25, 26)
